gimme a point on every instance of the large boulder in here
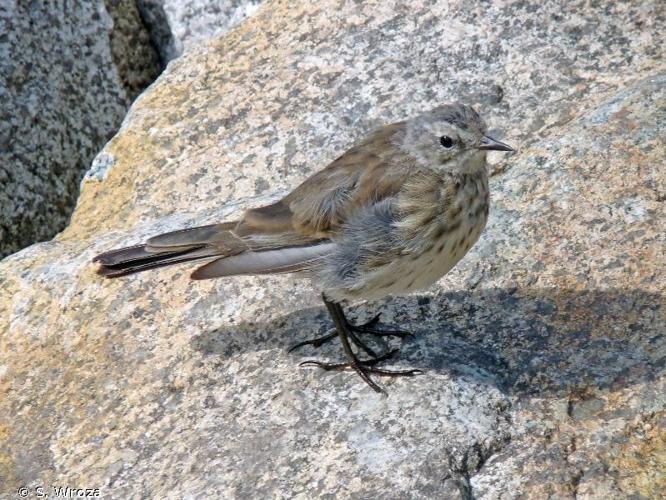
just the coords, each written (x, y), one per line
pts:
(68, 72)
(543, 349)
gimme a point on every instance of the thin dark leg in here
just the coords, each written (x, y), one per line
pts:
(362, 367)
(338, 317)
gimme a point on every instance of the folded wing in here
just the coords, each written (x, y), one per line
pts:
(290, 235)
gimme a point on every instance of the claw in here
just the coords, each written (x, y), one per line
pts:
(384, 333)
(368, 328)
(348, 335)
(370, 323)
(316, 342)
(323, 365)
(396, 373)
(364, 367)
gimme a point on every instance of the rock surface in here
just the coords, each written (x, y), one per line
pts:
(544, 349)
(177, 25)
(68, 72)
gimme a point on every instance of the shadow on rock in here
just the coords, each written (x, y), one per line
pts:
(521, 341)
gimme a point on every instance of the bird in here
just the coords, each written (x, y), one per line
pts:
(390, 216)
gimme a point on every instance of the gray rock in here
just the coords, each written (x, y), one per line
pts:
(156, 21)
(543, 349)
(68, 72)
(177, 25)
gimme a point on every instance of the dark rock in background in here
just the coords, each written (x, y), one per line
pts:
(176, 25)
(68, 72)
(156, 21)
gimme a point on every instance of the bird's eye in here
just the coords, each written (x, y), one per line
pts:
(446, 141)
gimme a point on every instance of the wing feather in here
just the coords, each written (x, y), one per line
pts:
(367, 173)
(270, 261)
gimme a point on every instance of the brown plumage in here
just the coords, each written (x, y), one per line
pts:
(391, 215)
(311, 213)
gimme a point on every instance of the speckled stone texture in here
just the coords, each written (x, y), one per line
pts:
(68, 72)
(543, 350)
(178, 25)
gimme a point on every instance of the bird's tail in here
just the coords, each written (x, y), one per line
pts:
(166, 249)
(229, 254)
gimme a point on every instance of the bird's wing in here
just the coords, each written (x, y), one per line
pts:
(317, 209)
(295, 233)
(291, 234)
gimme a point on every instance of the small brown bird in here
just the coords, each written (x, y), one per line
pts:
(391, 215)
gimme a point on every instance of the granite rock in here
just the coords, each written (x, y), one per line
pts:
(177, 25)
(68, 72)
(543, 349)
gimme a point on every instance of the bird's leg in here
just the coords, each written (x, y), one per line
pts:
(365, 328)
(362, 367)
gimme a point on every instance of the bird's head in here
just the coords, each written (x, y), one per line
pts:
(451, 137)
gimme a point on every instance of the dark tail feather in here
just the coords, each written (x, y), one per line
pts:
(124, 261)
(232, 254)
(184, 245)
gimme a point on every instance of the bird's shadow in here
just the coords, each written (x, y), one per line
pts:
(521, 341)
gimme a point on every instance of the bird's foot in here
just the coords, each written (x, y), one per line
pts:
(349, 334)
(365, 328)
(317, 341)
(370, 329)
(330, 335)
(365, 367)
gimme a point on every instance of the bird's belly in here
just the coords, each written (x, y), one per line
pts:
(416, 271)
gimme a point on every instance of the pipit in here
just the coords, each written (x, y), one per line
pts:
(390, 216)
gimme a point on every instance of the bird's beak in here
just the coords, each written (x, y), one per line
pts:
(490, 144)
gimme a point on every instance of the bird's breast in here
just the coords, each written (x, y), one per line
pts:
(438, 244)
